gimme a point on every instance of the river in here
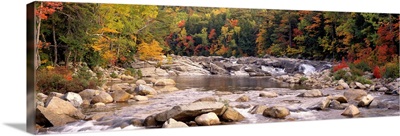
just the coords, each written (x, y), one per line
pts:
(195, 87)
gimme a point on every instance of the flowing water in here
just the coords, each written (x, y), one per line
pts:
(120, 115)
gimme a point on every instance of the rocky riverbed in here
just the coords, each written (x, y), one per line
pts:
(202, 91)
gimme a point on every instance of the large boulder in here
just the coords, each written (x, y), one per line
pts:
(258, 109)
(276, 112)
(232, 115)
(339, 98)
(360, 86)
(145, 90)
(57, 112)
(243, 98)
(103, 97)
(120, 96)
(268, 94)
(150, 122)
(41, 97)
(171, 123)
(351, 111)
(354, 94)
(88, 94)
(188, 112)
(74, 98)
(343, 84)
(336, 105)
(207, 119)
(140, 82)
(141, 98)
(311, 93)
(164, 82)
(215, 69)
(365, 101)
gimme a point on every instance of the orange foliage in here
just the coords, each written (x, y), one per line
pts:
(181, 23)
(47, 8)
(233, 22)
(377, 72)
(212, 34)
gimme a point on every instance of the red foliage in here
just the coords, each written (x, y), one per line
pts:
(382, 53)
(212, 34)
(47, 8)
(340, 66)
(233, 22)
(377, 72)
(181, 23)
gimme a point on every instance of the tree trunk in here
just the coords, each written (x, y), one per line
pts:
(37, 58)
(67, 58)
(290, 34)
(55, 46)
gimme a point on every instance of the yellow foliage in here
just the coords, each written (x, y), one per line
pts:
(223, 50)
(44, 61)
(49, 67)
(150, 51)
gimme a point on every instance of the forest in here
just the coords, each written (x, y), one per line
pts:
(114, 34)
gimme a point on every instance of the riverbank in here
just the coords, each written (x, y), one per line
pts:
(126, 102)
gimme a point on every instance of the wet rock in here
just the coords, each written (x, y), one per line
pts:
(57, 113)
(56, 94)
(223, 93)
(383, 89)
(215, 69)
(311, 93)
(276, 112)
(192, 123)
(351, 111)
(249, 69)
(140, 98)
(354, 94)
(243, 106)
(171, 123)
(189, 111)
(243, 98)
(258, 109)
(365, 100)
(206, 99)
(339, 98)
(140, 82)
(126, 77)
(99, 116)
(116, 87)
(41, 97)
(168, 88)
(99, 105)
(374, 104)
(336, 105)
(207, 119)
(137, 122)
(145, 90)
(324, 103)
(339, 87)
(150, 80)
(164, 82)
(150, 122)
(88, 94)
(360, 86)
(232, 115)
(102, 97)
(85, 103)
(268, 94)
(120, 96)
(74, 98)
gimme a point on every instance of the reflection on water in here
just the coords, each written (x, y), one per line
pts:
(230, 83)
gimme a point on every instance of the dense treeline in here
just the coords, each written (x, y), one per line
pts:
(110, 34)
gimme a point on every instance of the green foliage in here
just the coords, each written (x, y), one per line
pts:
(139, 73)
(362, 66)
(391, 70)
(363, 80)
(302, 79)
(113, 75)
(341, 74)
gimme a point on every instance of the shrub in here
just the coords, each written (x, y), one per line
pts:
(362, 65)
(60, 80)
(377, 72)
(363, 80)
(139, 73)
(113, 75)
(391, 70)
(340, 66)
(341, 74)
(302, 79)
(357, 72)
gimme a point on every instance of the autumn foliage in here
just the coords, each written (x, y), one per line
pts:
(340, 66)
(377, 72)
(48, 8)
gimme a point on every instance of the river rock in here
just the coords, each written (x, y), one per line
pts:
(268, 94)
(360, 86)
(85, 103)
(140, 82)
(276, 112)
(232, 115)
(340, 98)
(383, 89)
(258, 109)
(41, 97)
(189, 111)
(137, 122)
(344, 84)
(354, 94)
(127, 77)
(120, 96)
(74, 98)
(374, 104)
(207, 119)
(243, 106)
(57, 113)
(164, 82)
(351, 111)
(243, 98)
(116, 87)
(223, 93)
(336, 105)
(103, 97)
(56, 94)
(141, 98)
(206, 99)
(324, 103)
(365, 100)
(99, 105)
(145, 90)
(171, 123)
(168, 88)
(215, 69)
(88, 94)
(339, 87)
(150, 122)
(311, 93)
(150, 80)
